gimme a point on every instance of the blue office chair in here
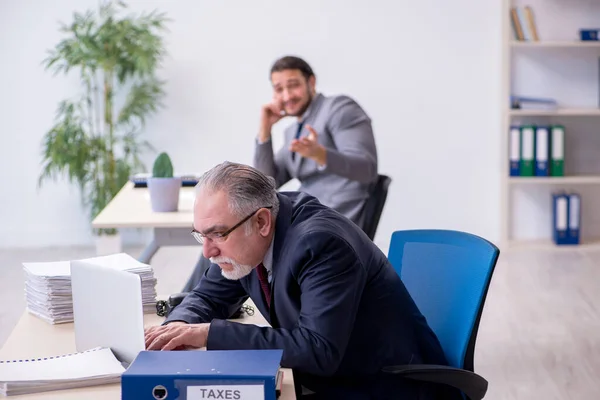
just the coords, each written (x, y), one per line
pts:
(448, 274)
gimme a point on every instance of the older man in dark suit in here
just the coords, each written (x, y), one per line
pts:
(336, 306)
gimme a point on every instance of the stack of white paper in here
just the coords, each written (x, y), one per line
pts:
(93, 367)
(48, 285)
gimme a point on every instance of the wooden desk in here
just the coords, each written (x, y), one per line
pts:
(34, 338)
(130, 208)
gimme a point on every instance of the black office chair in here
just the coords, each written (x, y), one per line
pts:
(374, 205)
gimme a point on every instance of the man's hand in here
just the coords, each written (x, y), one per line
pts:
(269, 115)
(176, 336)
(309, 147)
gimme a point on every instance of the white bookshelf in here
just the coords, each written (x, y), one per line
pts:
(530, 63)
(555, 180)
(563, 112)
(554, 44)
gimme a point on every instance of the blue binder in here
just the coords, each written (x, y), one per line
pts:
(194, 374)
(542, 151)
(560, 212)
(515, 150)
(574, 227)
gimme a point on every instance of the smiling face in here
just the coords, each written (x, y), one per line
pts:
(292, 90)
(239, 251)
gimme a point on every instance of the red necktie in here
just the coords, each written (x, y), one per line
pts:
(263, 278)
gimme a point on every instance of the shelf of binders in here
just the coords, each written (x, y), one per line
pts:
(537, 152)
(537, 157)
(565, 224)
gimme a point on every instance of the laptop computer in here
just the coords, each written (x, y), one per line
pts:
(107, 310)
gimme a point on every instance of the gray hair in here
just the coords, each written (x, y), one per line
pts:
(247, 188)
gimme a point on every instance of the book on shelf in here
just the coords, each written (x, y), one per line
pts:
(536, 150)
(532, 103)
(523, 24)
(589, 35)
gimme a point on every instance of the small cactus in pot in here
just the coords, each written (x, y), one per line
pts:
(163, 167)
(164, 188)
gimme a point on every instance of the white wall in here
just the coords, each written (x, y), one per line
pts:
(428, 72)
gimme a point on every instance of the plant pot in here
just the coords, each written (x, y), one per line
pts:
(108, 244)
(164, 194)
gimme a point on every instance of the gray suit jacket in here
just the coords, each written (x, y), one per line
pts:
(346, 132)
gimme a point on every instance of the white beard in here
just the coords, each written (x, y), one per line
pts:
(239, 270)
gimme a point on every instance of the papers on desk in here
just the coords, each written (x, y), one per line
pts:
(93, 367)
(48, 286)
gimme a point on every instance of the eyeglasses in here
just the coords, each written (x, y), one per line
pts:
(219, 237)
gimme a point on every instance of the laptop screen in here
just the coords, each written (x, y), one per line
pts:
(107, 309)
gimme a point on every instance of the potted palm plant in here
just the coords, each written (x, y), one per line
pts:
(96, 141)
(163, 187)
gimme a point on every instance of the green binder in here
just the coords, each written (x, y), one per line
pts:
(527, 150)
(557, 145)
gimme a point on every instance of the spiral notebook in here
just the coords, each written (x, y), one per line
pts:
(96, 366)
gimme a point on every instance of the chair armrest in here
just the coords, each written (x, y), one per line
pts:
(164, 308)
(471, 384)
(176, 299)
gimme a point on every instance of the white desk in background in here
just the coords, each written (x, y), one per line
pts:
(130, 208)
(35, 338)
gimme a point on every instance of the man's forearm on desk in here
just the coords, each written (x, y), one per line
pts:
(196, 309)
(302, 349)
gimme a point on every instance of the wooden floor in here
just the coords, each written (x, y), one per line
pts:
(539, 336)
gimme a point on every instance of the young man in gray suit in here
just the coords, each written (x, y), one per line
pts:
(330, 149)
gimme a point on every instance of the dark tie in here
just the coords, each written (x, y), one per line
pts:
(263, 278)
(300, 124)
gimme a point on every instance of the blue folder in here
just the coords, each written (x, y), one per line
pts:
(574, 226)
(560, 217)
(235, 374)
(515, 150)
(542, 151)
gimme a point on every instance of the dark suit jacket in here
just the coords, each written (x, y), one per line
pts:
(339, 310)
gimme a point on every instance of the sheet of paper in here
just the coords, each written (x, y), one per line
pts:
(78, 366)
